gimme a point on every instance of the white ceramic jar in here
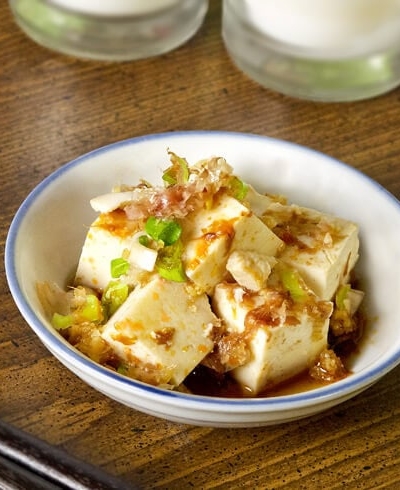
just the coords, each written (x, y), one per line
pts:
(330, 50)
(110, 29)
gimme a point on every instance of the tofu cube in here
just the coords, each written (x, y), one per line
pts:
(205, 260)
(283, 338)
(323, 248)
(162, 328)
(250, 269)
(111, 236)
(210, 235)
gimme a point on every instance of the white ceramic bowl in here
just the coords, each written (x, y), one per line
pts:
(47, 233)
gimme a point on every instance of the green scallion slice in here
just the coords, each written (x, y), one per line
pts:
(91, 311)
(114, 295)
(169, 263)
(238, 188)
(341, 295)
(292, 282)
(60, 322)
(166, 230)
(144, 240)
(119, 267)
(178, 172)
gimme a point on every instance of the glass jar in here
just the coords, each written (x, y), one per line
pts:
(324, 50)
(110, 29)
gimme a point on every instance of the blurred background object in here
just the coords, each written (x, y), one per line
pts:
(333, 50)
(110, 30)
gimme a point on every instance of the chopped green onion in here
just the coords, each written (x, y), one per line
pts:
(60, 322)
(341, 295)
(91, 311)
(122, 369)
(238, 188)
(169, 263)
(168, 177)
(292, 282)
(166, 230)
(114, 295)
(119, 267)
(178, 173)
(144, 240)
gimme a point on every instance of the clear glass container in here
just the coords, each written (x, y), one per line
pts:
(323, 50)
(110, 29)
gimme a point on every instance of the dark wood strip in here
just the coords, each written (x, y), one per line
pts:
(28, 457)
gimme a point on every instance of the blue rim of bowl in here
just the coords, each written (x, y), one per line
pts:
(354, 382)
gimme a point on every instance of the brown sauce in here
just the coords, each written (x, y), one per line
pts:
(203, 381)
(207, 382)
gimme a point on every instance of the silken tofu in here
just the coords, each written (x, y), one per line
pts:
(323, 248)
(233, 255)
(250, 269)
(282, 337)
(111, 236)
(163, 330)
(210, 235)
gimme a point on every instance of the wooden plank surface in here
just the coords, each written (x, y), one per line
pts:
(54, 108)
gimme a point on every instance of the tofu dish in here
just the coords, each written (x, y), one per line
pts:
(203, 284)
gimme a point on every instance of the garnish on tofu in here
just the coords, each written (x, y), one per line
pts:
(203, 274)
(166, 230)
(178, 172)
(119, 267)
(114, 295)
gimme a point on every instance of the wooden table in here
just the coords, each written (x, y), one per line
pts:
(54, 108)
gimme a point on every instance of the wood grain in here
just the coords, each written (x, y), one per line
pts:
(54, 108)
(26, 462)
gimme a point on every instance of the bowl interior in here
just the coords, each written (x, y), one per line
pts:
(48, 231)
